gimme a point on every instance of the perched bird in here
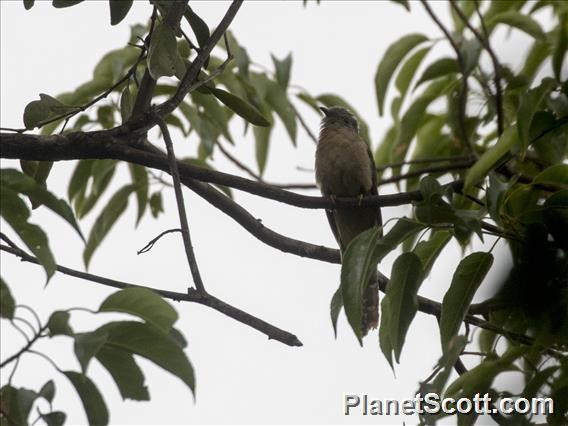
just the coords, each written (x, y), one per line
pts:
(345, 168)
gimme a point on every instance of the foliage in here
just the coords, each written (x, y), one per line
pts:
(504, 168)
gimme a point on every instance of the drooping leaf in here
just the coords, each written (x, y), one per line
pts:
(118, 10)
(283, 68)
(125, 372)
(142, 303)
(21, 183)
(163, 56)
(47, 391)
(522, 22)
(391, 59)
(65, 3)
(384, 332)
(335, 308)
(560, 45)
(7, 304)
(55, 418)
(277, 98)
(383, 153)
(126, 103)
(87, 345)
(139, 177)
(16, 404)
(428, 251)
(466, 280)
(16, 213)
(408, 70)
(152, 343)
(491, 158)
(58, 324)
(262, 143)
(37, 112)
(156, 205)
(28, 4)
(403, 3)
(439, 68)
(109, 215)
(402, 292)
(198, 26)
(92, 400)
(241, 107)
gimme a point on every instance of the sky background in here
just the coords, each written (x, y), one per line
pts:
(241, 376)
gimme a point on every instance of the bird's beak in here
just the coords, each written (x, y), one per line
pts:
(324, 110)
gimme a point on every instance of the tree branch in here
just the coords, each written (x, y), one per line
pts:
(192, 295)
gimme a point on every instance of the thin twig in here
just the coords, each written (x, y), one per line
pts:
(424, 161)
(269, 330)
(484, 40)
(151, 243)
(191, 260)
(238, 163)
(30, 342)
(304, 125)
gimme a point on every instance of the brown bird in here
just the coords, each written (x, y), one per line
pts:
(345, 168)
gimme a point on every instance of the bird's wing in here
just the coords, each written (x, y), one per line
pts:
(374, 189)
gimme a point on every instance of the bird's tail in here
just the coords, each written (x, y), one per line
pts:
(370, 319)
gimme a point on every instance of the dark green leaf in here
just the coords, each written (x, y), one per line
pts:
(151, 343)
(310, 101)
(262, 143)
(139, 177)
(7, 304)
(538, 53)
(156, 206)
(402, 292)
(28, 4)
(65, 3)
(522, 22)
(102, 172)
(198, 26)
(283, 68)
(277, 98)
(428, 251)
(357, 265)
(403, 3)
(163, 56)
(408, 70)
(383, 153)
(105, 116)
(47, 391)
(391, 59)
(58, 324)
(470, 50)
(110, 214)
(143, 303)
(79, 178)
(87, 345)
(491, 158)
(92, 400)
(125, 372)
(560, 45)
(530, 104)
(118, 10)
(37, 112)
(21, 183)
(126, 102)
(55, 418)
(241, 107)
(384, 332)
(15, 212)
(466, 280)
(439, 68)
(16, 405)
(335, 308)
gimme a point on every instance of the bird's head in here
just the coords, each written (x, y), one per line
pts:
(339, 117)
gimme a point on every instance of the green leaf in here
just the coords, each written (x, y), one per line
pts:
(150, 342)
(126, 102)
(79, 178)
(282, 68)
(55, 418)
(105, 116)
(28, 4)
(47, 391)
(357, 265)
(102, 172)
(522, 22)
(428, 251)
(118, 10)
(16, 213)
(402, 292)
(7, 303)
(262, 143)
(466, 280)
(530, 103)
(16, 404)
(403, 3)
(491, 158)
(335, 308)
(560, 45)
(439, 68)
(163, 56)
(21, 183)
(143, 303)
(218, 114)
(198, 26)
(277, 98)
(383, 151)
(65, 3)
(538, 53)
(310, 101)
(470, 51)
(240, 107)
(37, 112)
(87, 345)
(392, 57)
(408, 70)
(92, 400)
(125, 372)
(58, 324)
(139, 177)
(156, 206)
(384, 332)
(110, 214)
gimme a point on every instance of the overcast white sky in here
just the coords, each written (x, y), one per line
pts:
(241, 376)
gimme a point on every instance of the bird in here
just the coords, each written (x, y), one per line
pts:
(344, 167)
